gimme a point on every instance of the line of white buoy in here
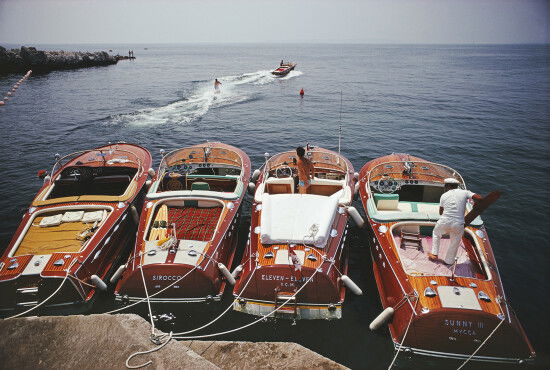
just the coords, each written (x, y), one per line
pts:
(15, 87)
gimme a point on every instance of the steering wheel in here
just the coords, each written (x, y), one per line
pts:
(283, 171)
(388, 185)
(74, 173)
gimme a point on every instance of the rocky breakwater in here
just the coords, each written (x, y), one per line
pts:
(26, 58)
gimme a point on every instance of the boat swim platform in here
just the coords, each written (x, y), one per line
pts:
(103, 341)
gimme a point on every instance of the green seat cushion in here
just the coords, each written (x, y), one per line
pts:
(200, 186)
(378, 196)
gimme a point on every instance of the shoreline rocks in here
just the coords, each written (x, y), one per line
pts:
(21, 60)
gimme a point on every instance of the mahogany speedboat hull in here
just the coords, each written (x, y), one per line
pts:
(451, 310)
(188, 226)
(284, 69)
(77, 227)
(284, 271)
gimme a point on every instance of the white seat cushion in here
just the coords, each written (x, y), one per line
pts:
(298, 218)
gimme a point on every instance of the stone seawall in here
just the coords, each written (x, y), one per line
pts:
(106, 341)
(21, 60)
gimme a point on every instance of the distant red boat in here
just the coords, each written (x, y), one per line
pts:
(75, 230)
(284, 69)
(187, 234)
(451, 310)
(295, 260)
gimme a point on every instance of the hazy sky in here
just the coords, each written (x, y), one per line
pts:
(366, 21)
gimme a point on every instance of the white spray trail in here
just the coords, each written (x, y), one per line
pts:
(202, 100)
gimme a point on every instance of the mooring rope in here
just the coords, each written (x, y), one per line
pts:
(145, 352)
(256, 321)
(406, 332)
(482, 344)
(165, 288)
(224, 312)
(50, 296)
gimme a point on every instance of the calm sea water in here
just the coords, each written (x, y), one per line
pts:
(480, 109)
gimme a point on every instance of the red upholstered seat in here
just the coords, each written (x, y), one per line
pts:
(194, 223)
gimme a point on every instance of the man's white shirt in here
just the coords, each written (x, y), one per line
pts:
(454, 204)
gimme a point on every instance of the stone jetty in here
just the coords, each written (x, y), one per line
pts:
(105, 342)
(21, 60)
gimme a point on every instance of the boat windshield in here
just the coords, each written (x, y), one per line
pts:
(408, 189)
(328, 165)
(201, 167)
(105, 172)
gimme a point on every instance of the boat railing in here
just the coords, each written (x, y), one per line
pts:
(428, 170)
(171, 158)
(62, 161)
(331, 161)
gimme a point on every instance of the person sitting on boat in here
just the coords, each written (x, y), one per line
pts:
(451, 208)
(217, 85)
(305, 170)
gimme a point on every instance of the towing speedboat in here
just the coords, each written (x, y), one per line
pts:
(451, 310)
(188, 229)
(294, 263)
(75, 230)
(283, 69)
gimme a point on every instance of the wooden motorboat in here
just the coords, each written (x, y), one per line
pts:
(295, 236)
(283, 69)
(453, 309)
(76, 228)
(188, 229)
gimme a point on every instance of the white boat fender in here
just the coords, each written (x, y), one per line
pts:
(151, 172)
(381, 319)
(356, 188)
(226, 273)
(100, 284)
(255, 175)
(251, 188)
(47, 179)
(351, 285)
(237, 271)
(135, 215)
(117, 274)
(354, 214)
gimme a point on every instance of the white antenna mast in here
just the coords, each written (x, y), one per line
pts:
(340, 125)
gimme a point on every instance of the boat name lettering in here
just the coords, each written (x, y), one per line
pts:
(465, 324)
(273, 277)
(166, 277)
(285, 278)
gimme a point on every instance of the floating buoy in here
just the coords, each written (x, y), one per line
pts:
(9, 93)
(2, 102)
(255, 175)
(237, 271)
(302, 92)
(117, 274)
(251, 188)
(381, 319)
(354, 214)
(100, 284)
(135, 214)
(226, 273)
(6, 98)
(351, 285)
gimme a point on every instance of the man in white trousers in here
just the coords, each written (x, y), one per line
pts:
(452, 206)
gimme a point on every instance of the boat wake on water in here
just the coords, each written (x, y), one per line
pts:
(203, 98)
